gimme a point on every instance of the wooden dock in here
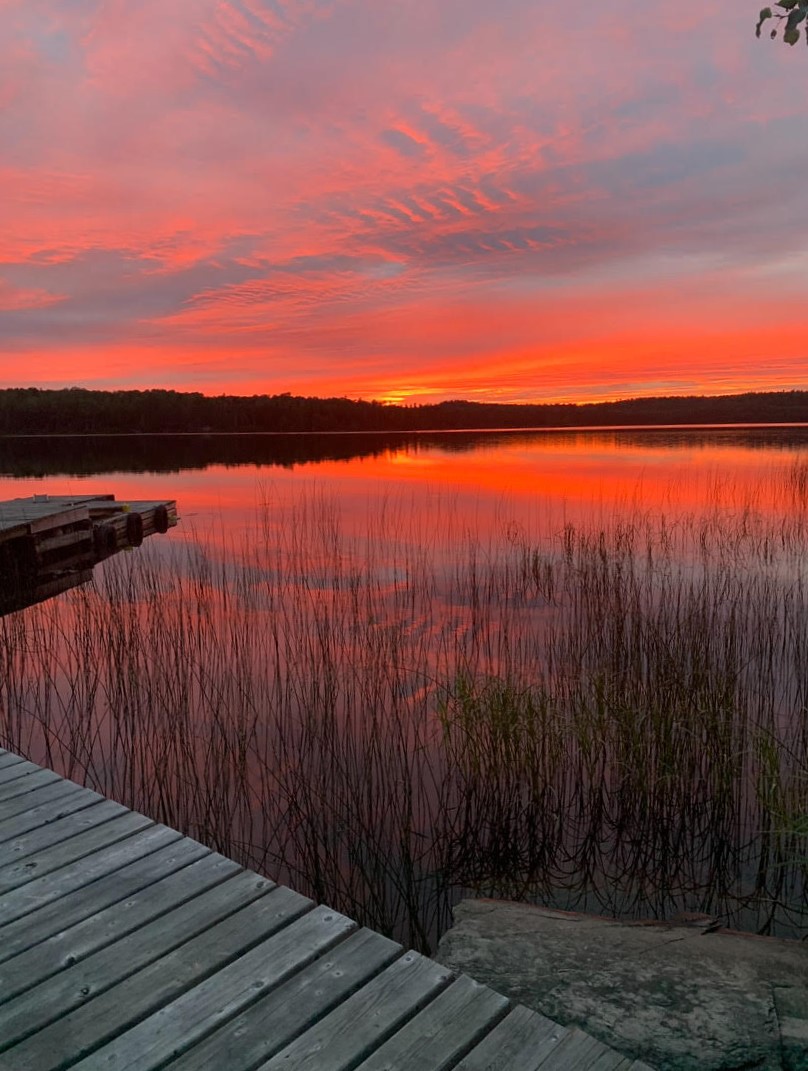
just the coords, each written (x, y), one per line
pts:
(125, 945)
(49, 543)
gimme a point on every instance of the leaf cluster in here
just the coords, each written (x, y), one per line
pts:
(791, 18)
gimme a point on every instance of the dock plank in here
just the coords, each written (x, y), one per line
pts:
(19, 516)
(59, 830)
(71, 945)
(174, 1028)
(14, 770)
(24, 516)
(46, 793)
(8, 758)
(97, 1021)
(581, 1052)
(282, 1014)
(444, 1031)
(68, 851)
(361, 1023)
(156, 853)
(81, 982)
(45, 813)
(49, 887)
(21, 786)
(521, 1042)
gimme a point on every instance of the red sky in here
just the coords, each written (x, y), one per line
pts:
(410, 201)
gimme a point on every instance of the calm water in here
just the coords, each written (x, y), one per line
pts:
(561, 666)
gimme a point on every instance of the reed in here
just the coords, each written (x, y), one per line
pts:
(607, 717)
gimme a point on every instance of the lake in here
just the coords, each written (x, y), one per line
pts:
(563, 666)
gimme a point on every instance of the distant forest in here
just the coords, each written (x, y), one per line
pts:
(30, 411)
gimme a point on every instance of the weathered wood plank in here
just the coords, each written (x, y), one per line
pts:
(49, 887)
(50, 791)
(15, 770)
(75, 985)
(27, 514)
(43, 513)
(521, 1042)
(68, 851)
(23, 785)
(283, 1014)
(581, 1052)
(607, 1063)
(70, 946)
(361, 1023)
(176, 1026)
(21, 515)
(97, 1021)
(157, 852)
(80, 540)
(45, 813)
(8, 758)
(58, 831)
(443, 1032)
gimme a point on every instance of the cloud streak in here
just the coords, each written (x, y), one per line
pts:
(422, 201)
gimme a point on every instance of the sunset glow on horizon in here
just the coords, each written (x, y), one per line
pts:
(414, 202)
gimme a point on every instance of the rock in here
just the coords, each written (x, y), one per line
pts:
(682, 997)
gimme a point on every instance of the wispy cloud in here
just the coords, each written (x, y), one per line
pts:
(339, 195)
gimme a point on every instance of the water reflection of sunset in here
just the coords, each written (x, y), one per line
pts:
(525, 473)
(487, 654)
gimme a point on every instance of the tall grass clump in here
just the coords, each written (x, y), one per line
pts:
(387, 711)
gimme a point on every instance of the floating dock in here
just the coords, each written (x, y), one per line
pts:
(125, 945)
(49, 543)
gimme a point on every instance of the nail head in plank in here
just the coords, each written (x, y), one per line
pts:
(279, 1016)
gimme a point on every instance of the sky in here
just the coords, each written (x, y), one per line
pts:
(499, 201)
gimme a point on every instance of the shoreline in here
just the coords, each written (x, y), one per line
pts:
(550, 429)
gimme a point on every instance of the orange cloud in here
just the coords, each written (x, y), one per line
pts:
(424, 201)
(12, 298)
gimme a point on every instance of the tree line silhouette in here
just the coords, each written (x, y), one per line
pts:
(76, 411)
